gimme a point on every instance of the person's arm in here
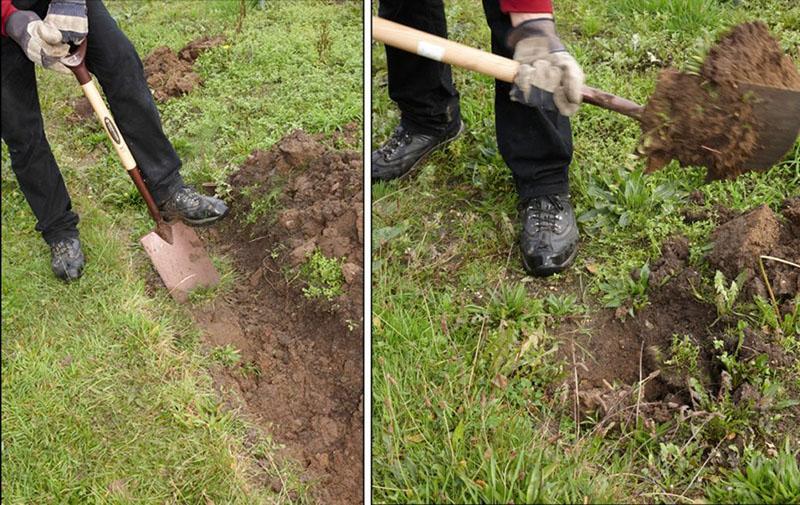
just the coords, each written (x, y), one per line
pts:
(6, 10)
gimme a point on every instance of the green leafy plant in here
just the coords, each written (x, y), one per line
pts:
(225, 355)
(725, 296)
(323, 276)
(618, 291)
(626, 197)
(685, 354)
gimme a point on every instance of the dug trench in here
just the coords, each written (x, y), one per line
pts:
(300, 369)
(612, 354)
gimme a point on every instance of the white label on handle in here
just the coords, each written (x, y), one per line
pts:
(429, 50)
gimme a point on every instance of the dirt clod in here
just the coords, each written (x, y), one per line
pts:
(706, 119)
(170, 74)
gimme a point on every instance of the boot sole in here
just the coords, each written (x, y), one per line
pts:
(417, 164)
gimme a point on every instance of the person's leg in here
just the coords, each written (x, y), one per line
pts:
(113, 60)
(535, 144)
(423, 91)
(422, 88)
(31, 158)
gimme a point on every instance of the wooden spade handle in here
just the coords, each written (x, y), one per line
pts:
(502, 69)
(76, 62)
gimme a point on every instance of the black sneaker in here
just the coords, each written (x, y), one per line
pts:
(404, 151)
(549, 236)
(67, 259)
(193, 208)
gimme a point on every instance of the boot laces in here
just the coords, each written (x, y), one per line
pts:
(61, 248)
(187, 198)
(545, 217)
(399, 137)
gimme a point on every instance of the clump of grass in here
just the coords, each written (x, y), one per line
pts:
(764, 480)
(323, 276)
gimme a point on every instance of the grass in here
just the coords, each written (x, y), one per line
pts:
(468, 401)
(106, 392)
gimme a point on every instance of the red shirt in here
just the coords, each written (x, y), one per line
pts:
(6, 9)
(505, 5)
(538, 6)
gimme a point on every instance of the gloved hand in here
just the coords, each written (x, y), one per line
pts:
(69, 16)
(41, 42)
(545, 66)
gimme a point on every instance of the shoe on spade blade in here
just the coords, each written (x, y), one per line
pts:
(193, 208)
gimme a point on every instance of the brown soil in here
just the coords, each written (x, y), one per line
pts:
(170, 74)
(195, 48)
(620, 353)
(706, 119)
(321, 208)
(81, 110)
(301, 370)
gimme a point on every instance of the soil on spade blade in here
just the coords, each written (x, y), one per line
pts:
(620, 353)
(170, 74)
(300, 375)
(706, 119)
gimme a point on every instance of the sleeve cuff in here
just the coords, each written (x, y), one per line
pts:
(7, 10)
(537, 6)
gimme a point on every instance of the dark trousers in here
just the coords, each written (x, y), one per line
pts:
(535, 143)
(113, 60)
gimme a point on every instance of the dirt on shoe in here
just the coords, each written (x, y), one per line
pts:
(622, 352)
(705, 119)
(300, 373)
(170, 74)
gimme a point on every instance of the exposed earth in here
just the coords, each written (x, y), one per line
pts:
(706, 118)
(623, 351)
(300, 372)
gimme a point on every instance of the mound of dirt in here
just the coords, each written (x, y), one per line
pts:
(300, 373)
(170, 74)
(321, 206)
(706, 119)
(622, 353)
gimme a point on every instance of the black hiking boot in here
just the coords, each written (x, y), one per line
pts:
(193, 208)
(67, 259)
(549, 236)
(404, 151)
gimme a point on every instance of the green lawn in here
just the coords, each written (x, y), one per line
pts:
(105, 386)
(454, 316)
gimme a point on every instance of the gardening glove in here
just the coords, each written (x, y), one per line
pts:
(546, 66)
(41, 42)
(69, 16)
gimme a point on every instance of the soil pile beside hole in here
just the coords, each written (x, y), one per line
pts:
(170, 74)
(318, 192)
(707, 119)
(300, 373)
(621, 353)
